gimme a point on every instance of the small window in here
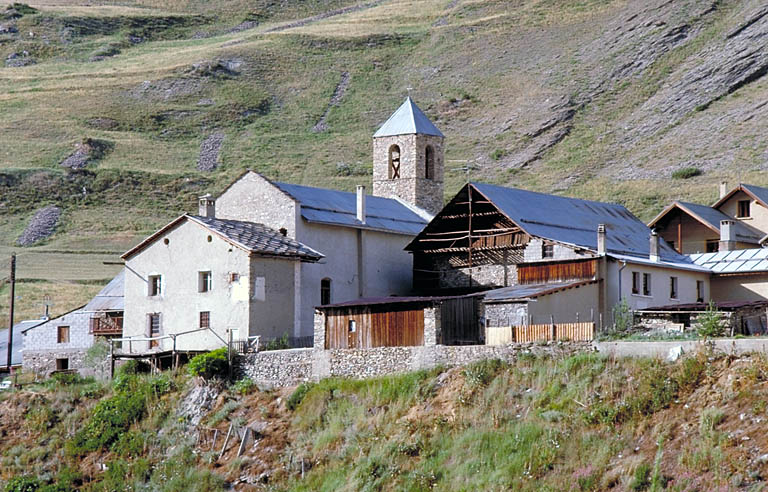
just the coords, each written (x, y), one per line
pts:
(204, 281)
(394, 162)
(635, 283)
(63, 334)
(743, 208)
(154, 329)
(673, 287)
(155, 285)
(205, 319)
(234, 277)
(429, 162)
(547, 250)
(352, 326)
(325, 291)
(699, 291)
(62, 364)
(646, 284)
(713, 245)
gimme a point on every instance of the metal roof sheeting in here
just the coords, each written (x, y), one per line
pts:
(111, 297)
(574, 221)
(737, 261)
(340, 208)
(525, 292)
(408, 119)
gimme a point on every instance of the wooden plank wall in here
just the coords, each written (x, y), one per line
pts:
(459, 322)
(377, 326)
(501, 335)
(556, 272)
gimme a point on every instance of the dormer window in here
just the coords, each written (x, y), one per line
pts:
(394, 162)
(743, 209)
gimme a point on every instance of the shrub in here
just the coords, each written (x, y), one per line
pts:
(711, 323)
(23, 484)
(686, 172)
(281, 343)
(623, 319)
(481, 373)
(498, 154)
(68, 378)
(243, 386)
(293, 401)
(109, 419)
(209, 365)
(642, 478)
(690, 372)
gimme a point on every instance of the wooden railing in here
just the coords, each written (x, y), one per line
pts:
(107, 325)
(501, 335)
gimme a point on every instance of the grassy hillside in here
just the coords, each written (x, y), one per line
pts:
(583, 422)
(604, 99)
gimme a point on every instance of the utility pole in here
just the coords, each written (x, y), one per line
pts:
(10, 318)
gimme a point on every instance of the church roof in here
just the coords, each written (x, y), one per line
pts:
(408, 119)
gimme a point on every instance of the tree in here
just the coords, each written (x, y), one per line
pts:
(710, 323)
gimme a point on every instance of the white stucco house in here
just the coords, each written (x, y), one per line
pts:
(305, 247)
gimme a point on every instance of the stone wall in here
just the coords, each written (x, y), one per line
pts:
(278, 367)
(43, 362)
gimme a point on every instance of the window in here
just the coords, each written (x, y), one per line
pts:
(325, 291)
(713, 245)
(429, 162)
(63, 334)
(234, 277)
(62, 364)
(394, 162)
(743, 208)
(205, 319)
(673, 287)
(352, 326)
(635, 283)
(155, 285)
(204, 281)
(154, 329)
(547, 250)
(646, 284)
(699, 291)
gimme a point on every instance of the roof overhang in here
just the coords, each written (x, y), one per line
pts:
(679, 206)
(743, 189)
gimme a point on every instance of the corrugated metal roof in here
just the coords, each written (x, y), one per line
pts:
(340, 208)
(574, 221)
(523, 292)
(408, 119)
(737, 261)
(111, 297)
(259, 238)
(18, 341)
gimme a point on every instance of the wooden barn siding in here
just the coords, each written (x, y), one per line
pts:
(556, 272)
(500, 335)
(376, 327)
(459, 322)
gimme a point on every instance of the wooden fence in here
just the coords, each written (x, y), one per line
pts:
(501, 335)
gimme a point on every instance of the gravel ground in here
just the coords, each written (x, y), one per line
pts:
(209, 152)
(41, 226)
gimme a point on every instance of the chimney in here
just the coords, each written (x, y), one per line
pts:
(654, 246)
(601, 239)
(207, 206)
(723, 188)
(727, 235)
(361, 203)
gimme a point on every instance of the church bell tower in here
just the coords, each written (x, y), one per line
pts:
(408, 159)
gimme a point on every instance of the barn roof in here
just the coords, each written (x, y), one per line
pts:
(111, 297)
(710, 217)
(574, 221)
(406, 120)
(250, 236)
(526, 292)
(734, 262)
(340, 208)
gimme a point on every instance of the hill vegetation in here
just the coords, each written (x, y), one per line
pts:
(585, 422)
(110, 109)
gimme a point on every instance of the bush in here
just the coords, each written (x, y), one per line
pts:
(109, 419)
(281, 343)
(22, 484)
(481, 373)
(243, 386)
(209, 365)
(711, 323)
(623, 319)
(686, 172)
(69, 379)
(293, 401)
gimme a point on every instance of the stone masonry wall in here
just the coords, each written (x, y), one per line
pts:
(278, 367)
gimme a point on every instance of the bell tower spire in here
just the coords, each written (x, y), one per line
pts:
(408, 159)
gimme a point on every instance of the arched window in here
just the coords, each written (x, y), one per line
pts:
(429, 162)
(325, 291)
(394, 162)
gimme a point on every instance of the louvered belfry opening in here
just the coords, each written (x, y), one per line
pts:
(469, 232)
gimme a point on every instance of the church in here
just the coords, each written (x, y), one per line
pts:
(257, 259)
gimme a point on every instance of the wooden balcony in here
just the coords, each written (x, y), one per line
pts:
(107, 326)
